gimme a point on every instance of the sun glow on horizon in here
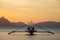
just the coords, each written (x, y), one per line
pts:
(27, 10)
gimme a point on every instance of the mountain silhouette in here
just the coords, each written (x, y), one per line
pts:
(18, 24)
(49, 24)
(5, 23)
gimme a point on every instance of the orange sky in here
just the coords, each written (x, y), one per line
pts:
(27, 10)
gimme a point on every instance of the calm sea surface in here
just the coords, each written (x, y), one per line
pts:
(26, 36)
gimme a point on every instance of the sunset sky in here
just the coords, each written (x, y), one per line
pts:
(27, 10)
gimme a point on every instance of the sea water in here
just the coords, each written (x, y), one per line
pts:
(25, 36)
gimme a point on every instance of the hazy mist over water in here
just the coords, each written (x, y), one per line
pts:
(25, 36)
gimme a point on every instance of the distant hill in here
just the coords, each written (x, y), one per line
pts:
(49, 24)
(18, 24)
(5, 23)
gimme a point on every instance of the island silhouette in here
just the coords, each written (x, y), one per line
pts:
(5, 23)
